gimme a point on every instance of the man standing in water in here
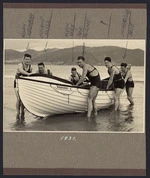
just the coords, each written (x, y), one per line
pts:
(126, 73)
(93, 75)
(23, 69)
(116, 79)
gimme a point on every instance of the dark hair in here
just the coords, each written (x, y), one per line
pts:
(81, 57)
(124, 64)
(27, 55)
(73, 69)
(107, 59)
(41, 64)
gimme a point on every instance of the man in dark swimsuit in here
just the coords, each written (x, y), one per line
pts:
(116, 79)
(94, 77)
(126, 73)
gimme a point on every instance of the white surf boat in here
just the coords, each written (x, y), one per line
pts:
(44, 95)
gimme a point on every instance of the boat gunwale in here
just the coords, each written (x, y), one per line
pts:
(52, 77)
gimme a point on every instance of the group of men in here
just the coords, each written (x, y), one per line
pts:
(119, 78)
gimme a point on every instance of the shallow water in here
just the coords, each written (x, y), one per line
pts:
(128, 119)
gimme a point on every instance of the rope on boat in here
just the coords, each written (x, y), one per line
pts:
(81, 93)
(61, 92)
(105, 91)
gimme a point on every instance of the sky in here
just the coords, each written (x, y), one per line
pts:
(40, 44)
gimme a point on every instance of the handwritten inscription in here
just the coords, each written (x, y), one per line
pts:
(127, 24)
(23, 30)
(126, 14)
(27, 27)
(108, 24)
(129, 33)
(69, 30)
(81, 31)
(102, 22)
(42, 27)
(30, 24)
(45, 26)
(131, 29)
(86, 29)
(68, 138)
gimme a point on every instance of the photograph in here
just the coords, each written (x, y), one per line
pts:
(83, 85)
(75, 88)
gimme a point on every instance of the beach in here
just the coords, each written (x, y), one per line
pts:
(127, 119)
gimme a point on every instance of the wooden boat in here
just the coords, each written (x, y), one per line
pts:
(44, 95)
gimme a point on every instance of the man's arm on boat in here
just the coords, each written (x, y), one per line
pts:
(110, 81)
(81, 80)
(20, 70)
(127, 76)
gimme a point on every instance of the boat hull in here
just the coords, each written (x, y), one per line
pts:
(43, 96)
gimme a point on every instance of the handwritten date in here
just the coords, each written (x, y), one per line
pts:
(68, 138)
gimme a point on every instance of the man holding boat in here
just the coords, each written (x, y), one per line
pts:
(93, 75)
(75, 76)
(126, 73)
(23, 69)
(115, 79)
(42, 69)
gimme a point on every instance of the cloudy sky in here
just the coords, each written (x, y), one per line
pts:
(39, 44)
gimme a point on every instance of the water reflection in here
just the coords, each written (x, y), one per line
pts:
(20, 123)
(106, 120)
(110, 120)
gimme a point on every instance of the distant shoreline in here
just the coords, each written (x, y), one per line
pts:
(15, 63)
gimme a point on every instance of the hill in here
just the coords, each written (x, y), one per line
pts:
(68, 56)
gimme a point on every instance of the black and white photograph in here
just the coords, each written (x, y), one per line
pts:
(83, 85)
(75, 89)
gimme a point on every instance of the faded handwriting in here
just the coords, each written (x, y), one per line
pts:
(45, 26)
(127, 25)
(131, 29)
(129, 33)
(81, 32)
(30, 24)
(86, 29)
(69, 30)
(41, 27)
(126, 14)
(23, 30)
(27, 28)
(102, 22)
